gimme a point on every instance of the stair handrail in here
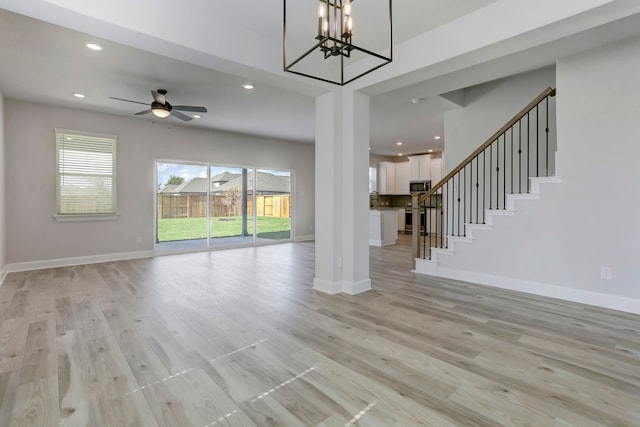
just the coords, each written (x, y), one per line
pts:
(547, 92)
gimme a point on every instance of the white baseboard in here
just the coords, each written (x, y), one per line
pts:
(67, 262)
(342, 286)
(305, 238)
(354, 288)
(326, 286)
(614, 302)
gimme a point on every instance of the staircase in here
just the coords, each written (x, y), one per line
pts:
(492, 182)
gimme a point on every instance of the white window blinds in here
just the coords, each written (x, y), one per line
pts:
(85, 173)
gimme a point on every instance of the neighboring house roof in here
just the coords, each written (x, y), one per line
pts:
(169, 188)
(266, 183)
(224, 177)
(194, 185)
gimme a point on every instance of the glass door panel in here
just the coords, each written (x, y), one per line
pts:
(229, 206)
(273, 204)
(181, 204)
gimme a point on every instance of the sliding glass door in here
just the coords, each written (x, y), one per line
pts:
(202, 206)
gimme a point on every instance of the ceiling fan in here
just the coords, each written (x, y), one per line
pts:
(160, 107)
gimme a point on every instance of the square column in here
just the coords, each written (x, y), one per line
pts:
(342, 192)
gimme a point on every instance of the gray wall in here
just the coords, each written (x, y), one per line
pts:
(488, 107)
(34, 235)
(590, 219)
(3, 228)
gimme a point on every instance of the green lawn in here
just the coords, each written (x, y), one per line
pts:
(171, 229)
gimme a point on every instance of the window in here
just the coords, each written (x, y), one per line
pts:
(85, 174)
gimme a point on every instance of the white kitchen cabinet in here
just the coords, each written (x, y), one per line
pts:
(382, 227)
(420, 167)
(436, 171)
(402, 178)
(386, 178)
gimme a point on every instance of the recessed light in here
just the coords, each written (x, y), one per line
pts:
(197, 116)
(93, 46)
(436, 137)
(248, 86)
(399, 154)
(369, 148)
(78, 95)
(430, 151)
(399, 143)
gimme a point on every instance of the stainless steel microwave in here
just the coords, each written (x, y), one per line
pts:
(419, 186)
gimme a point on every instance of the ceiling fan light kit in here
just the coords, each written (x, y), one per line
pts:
(322, 39)
(161, 108)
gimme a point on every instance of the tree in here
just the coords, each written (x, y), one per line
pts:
(230, 198)
(175, 180)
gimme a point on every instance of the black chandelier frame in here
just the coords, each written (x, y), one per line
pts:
(341, 47)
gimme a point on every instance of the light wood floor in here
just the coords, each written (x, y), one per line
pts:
(239, 338)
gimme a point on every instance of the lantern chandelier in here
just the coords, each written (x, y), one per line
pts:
(333, 57)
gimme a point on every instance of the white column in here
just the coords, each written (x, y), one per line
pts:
(342, 191)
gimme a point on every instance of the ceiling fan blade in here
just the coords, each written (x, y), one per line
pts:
(128, 100)
(190, 108)
(140, 113)
(158, 97)
(181, 116)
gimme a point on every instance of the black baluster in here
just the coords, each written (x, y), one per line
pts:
(491, 176)
(484, 182)
(547, 130)
(520, 156)
(537, 140)
(512, 162)
(498, 173)
(458, 204)
(504, 172)
(528, 152)
(477, 187)
(464, 204)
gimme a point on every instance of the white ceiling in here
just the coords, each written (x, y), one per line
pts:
(44, 62)
(47, 63)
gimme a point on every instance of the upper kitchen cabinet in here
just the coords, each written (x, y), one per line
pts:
(420, 167)
(436, 170)
(393, 178)
(386, 178)
(402, 178)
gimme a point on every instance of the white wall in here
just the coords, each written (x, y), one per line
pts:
(34, 235)
(3, 228)
(557, 245)
(488, 107)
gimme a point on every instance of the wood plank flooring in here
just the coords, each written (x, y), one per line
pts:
(239, 338)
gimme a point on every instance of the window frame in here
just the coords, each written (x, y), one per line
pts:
(60, 136)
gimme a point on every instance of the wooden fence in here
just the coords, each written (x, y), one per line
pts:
(195, 206)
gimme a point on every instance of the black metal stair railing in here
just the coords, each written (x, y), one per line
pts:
(523, 148)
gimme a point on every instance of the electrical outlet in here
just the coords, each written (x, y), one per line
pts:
(138, 240)
(605, 273)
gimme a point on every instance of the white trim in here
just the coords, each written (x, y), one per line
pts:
(305, 238)
(81, 260)
(3, 274)
(86, 217)
(615, 302)
(374, 242)
(87, 133)
(326, 286)
(353, 288)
